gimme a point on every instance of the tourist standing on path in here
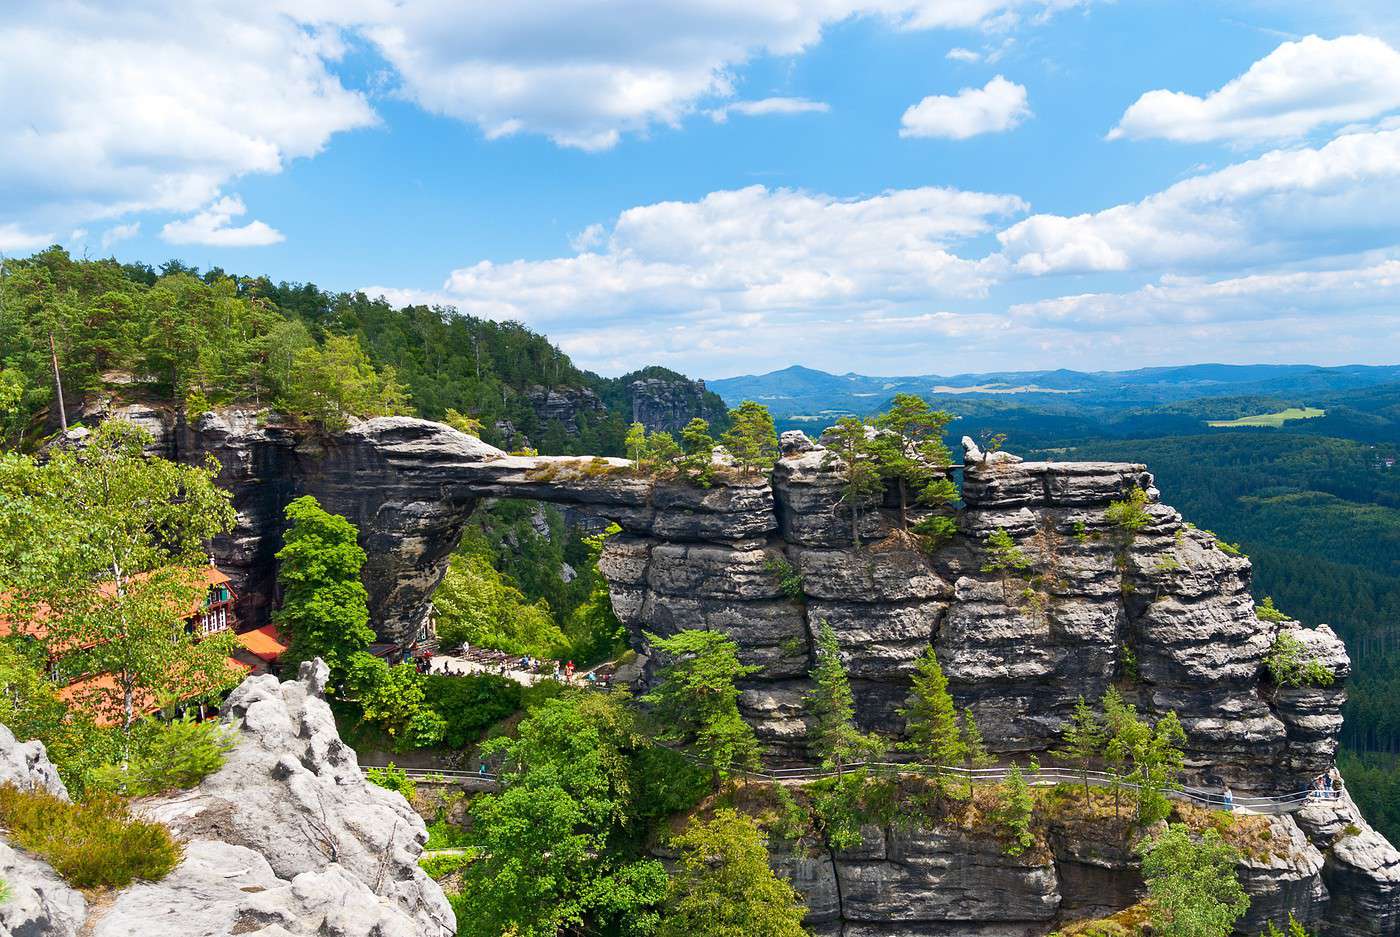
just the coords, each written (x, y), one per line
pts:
(1229, 801)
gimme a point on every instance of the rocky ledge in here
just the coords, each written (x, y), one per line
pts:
(286, 839)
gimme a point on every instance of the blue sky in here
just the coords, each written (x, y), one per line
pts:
(886, 186)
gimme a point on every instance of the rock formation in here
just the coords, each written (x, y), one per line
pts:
(662, 404)
(286, 839)
(1155, 607)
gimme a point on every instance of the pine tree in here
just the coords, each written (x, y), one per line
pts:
(699, 446)
(1014, 809)
(636, 444)
(696, 699)
(834, 737)
(974, 748)
(849, 451)
(911, 453)
(1083, 740)
(932, 719)
(1004, 557)
(752, 438)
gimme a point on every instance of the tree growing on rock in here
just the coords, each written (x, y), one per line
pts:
(974, 747)
(337, 381)
(752, 439)
(325, 610)
(849, 451)
(1192, 883)
(107, 547)
(1083, 740)
(1015, 807)
(912, 454)
(931, 719)
(1004, 558)
(696, 699)
(724, 887)
(699, 452)
(834, 737)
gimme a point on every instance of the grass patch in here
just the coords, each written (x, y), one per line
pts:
(1129, 922)
(1274, 420)
(93, 844)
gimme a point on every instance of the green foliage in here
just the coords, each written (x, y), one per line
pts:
(833, 736)
(1083, 740)
(697, 462)
(1015, 807)
(724, 887)
(752, 439)
(336, 381)
(1003, 556)
(1267, 611)
(477, 606)
(393, 699)
(324, 608)
(788, 576)
(1147, 755)
(170, 756)
(1192, 883)
(696, 699)
(936, 530)
(911, 453)
(931, 719)
(468, 706)
(559, 845)
(463, 423)
(393, 778)
(851, 455)
(93, 844)
(110, 544)
(1129, 515)
(1295, 929)
(1290, 664)
(843, 804)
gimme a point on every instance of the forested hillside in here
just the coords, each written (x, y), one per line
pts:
(211, 338)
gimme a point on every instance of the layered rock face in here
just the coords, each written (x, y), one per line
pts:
(662, 405)
(286, 839)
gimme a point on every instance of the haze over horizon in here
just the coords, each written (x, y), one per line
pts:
(898, 187)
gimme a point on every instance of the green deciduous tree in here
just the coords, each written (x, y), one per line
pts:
(931, 719)
(752, 439)
(551, 846)
(324, 610)
(393, 699)
(105, 547)
(833, 736)
(1192, 885)
(331, 383)
(696, 699)
(850, 454)
(724, 887)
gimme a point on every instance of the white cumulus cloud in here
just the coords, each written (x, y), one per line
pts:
(998, 106)
(1282, 204)
(158, 107)
(1293, 90)
(212, 227)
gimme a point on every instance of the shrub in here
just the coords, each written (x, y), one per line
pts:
(1289, 664)
(935, 530)
(93, 844)
(789, 579)
(1267, 611)
(1013, 815)
(442, 866)
(175, 755)
(1129, 515)
(392, 777)
(470, 705)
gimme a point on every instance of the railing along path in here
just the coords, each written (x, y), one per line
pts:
(1044, 777)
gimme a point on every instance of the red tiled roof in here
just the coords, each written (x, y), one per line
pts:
(264, 643)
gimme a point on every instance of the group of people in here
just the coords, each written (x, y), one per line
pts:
(1322, 788)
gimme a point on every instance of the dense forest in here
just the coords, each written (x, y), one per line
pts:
(211, 338)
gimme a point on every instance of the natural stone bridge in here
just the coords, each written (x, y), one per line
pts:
(1166, 614)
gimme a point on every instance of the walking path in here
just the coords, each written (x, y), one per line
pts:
(1045, 777)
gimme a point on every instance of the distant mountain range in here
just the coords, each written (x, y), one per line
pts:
(799, 394)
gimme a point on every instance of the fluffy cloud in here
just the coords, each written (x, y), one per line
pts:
(767, 106)
(1000, 105)
(584, 75)
(120, 232)
(1285, 203)
(1295, 89)
(212, 227)
(159, 107)
(735, 266)
(15, 239)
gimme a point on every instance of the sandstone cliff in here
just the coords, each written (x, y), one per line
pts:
(1162, 612)
(286, 839)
